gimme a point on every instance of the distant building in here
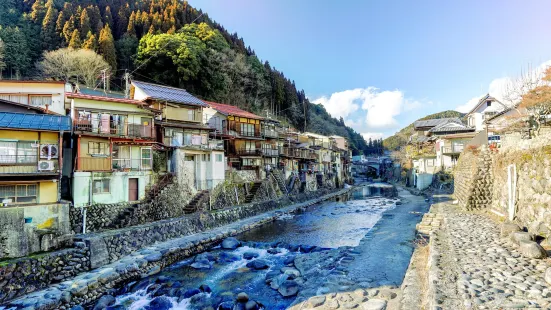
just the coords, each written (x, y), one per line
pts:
(486, 108)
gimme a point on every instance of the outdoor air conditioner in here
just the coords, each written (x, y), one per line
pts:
(49, 151)
(46, 165)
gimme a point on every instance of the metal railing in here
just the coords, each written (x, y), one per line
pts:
(211, 144)
(104, 127)
(94, 164)
(270, 133)
(135, 164)
(270, 152)
(22, 164)
(249, 152)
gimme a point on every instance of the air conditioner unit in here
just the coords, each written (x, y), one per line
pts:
(46, 165)
(49, 151)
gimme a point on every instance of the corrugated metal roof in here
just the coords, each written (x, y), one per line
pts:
(227, 109)
(97, 92)
(452, 129)
(170, 94)
(436, 121)
(39, 122)
(106, 99)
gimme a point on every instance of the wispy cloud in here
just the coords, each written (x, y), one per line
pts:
(372, 135)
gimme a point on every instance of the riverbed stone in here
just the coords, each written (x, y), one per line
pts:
(531, 249)
(230, 243)
(508, 228)
(374, 304)
(251, 305)
(242, 297)
(104, 302)
(288, 288)
(518, 236)
(159, 303)
(250, 255)
(258, 264)
(316, 301)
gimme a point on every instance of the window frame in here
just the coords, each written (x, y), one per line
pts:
(102, 187)
(98, 148)
(16, 197)
(150, 158)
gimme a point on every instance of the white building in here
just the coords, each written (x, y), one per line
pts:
(486, 107)
(47, 95)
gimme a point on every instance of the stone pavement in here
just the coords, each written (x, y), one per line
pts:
(472, 267)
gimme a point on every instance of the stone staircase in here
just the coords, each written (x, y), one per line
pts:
(197, 202)
(252, 192)
(126, 217)
(280, 182)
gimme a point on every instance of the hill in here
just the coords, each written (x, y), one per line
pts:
(401, 137)
(160, 41)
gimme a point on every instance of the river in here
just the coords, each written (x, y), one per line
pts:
(213, 279)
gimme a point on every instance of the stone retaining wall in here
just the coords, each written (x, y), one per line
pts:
(88, 287)
(29, 274)
(473, 179)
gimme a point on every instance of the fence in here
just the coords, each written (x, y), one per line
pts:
(108, 127)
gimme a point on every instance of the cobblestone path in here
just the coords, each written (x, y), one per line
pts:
(476, 269)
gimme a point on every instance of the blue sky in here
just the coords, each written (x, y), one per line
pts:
(383, 64)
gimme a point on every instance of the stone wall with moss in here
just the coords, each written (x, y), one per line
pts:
(473, 179)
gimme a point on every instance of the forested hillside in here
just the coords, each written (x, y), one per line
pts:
(401, 137)
(161, 41)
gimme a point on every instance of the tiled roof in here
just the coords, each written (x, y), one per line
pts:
(103, 98)
(227, 109)
(436, 121)
(451, 129)
(167, 93)
(44, 122)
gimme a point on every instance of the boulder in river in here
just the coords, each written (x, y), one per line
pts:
(191, 292)
(251, 305)
(288, 288)
(227, 305)
(229, 257)
(205, 288)
(250, 255)
(159, 303)
(258, 264)
(230, 243)
(242, 297)
(104, 302)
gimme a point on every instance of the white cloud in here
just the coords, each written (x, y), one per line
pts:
(372, 135)
(381, 107)
(498, 88)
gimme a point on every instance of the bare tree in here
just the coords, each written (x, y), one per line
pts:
(516, 88)
(73, 64)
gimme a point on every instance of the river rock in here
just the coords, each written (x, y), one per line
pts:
(518, 236)
(230, 243)
(258, 264)
(548, 275)
(191, 292)
(531, 249)
(374, 304)
(292, 272)
(242, 297)
(251, 305)
(227, 305)
(159, 303)
(316, 301)
(508, 228)
(271, 275)
(104, 302)
(229, 257)
(278, 280)
(250, 255)
(288, 288)
(274, 251)
(201, 262)
(205, 288)
(289, 260)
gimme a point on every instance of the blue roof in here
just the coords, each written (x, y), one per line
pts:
(46, 122)
(167, 93)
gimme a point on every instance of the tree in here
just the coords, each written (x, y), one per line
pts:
(85, 24)
(50, 39)
(2, 63)
(75, 40)
(91, 43)
(73, 65)
(68, 29)
(38, 11)
(16, 51)
(126, 50)
(108, 16)
(106, 45)
(537, 101)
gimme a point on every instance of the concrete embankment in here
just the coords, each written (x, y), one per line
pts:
(144, 250)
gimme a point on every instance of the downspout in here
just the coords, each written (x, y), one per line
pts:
(60, 164)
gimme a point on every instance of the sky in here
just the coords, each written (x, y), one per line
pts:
(383, 64)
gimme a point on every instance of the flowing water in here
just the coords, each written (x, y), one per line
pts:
(218, 275)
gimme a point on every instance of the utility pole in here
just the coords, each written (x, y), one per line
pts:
(126, 84)
(104, 80)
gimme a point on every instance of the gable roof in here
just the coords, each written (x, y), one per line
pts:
(167, 93)
(227, 109)
(451, 127)
(483, 100)
(435, 122)
(40, 122)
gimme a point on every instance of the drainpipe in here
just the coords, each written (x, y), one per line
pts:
(84, 220)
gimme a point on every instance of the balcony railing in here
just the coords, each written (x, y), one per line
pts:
(249, 152)
(94, 164)
(453, 149)
(27, 164)
(249, 133)
(270, 133)
(102, 127)
(127, 164)
(270, 152)
(210, 145)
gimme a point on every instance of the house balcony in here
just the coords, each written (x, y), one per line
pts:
(453, 149)
(270, 152)
(27, 165)
(249, 133)
(249, 152)
(210, 145)
(108, 128)
(127, 164)
(270, 133)
(94, 164)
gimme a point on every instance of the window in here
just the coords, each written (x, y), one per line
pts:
(146, 158)
(250, 162)
(250, 145)
(8, 152)
(17, 152)
(40, 100)
(247, 129)
(21, 193)
(219, 158)
(191, 115)
(98, 148)
(489, 103)
(101, 186)
(26, 153)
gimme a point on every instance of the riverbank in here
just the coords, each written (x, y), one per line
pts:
(85, 288)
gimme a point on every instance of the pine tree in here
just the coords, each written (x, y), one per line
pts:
(131, 29)
(122, 21)
(91, 43)
(16, 50)
(50, 39)
(95, 18)
(107, 47)
(60, 22)
(75, 40)
(2, 62)
(38, 11)
(85, 24)
(68, 29)
(108, 17)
